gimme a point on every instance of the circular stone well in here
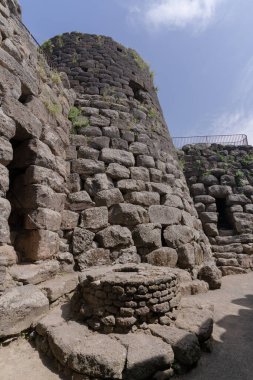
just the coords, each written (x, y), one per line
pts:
(116, 298)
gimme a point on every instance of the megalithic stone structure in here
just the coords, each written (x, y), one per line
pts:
(128, 199)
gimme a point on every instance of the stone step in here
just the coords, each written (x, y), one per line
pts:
(35, 273)
(193, 287)
(59, 286)
(226, 232)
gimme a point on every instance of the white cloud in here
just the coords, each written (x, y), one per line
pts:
(180, 13)
(238, 122)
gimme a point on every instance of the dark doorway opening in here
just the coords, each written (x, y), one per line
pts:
(224, 219)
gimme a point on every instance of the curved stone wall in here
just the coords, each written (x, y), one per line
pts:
(128, 199)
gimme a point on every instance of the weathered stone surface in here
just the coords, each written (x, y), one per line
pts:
(205, 199)
(37, 245)
(4, 179)
(219, 191)
(163, 256)
(164, 215)
(176, 236)
(94, 218)
(82, 240)
(212, 275)
(146, 161)
(69, 220)
(94, 257)
(189, 288)
(173, 201)
(126, 256)
(6, 152)
(73, 344)
(8, 255)
(237, 199)
(198, 189)
(184, 344)
(140, 173)
(35, 273)
(148, 236)
(186, 256)
(59, 286)
(230, 270)
(127, 214)
(117, 156)
(43, 218)
(197, 319)
(117, 171)
(80, 201)
(34, 196)
(44, 176)
(209, 217)
(87, 167)
(109, 198)
(21, 307)
(114, 236)
(143, 198)
(145, 355)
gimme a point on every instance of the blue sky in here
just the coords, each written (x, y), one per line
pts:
(200, 50)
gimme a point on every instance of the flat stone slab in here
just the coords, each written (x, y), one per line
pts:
(196, 318)
(21, 307)
(35, 273)
(59, 286)
(184, 344)
(146, 355)
(93, 355)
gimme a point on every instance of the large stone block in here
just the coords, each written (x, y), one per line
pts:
(79, 201)
(219, 191)
(87, 167)
(117, 171)
(126, 185)
(7, 125)
(69, 220)
(95, 218)
(117, 156)
(8, 255)
(43, 218)
(97, 183)
(114, 236)
(35, 273)
(109, 198)
(4, 230)
(148, 236)
(127, 214)
(4, 179)
(5, 208)
(164, 256)
(140, 173)
(34, 196)
(37, 245)
(21, 307)
(93, 257)
(6, 152)
(82, 240)
(143, 198)
(59, 286)
(164, 215)
(176, 236)
(44, 176)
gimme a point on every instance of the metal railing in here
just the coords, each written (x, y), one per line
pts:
(238, 139)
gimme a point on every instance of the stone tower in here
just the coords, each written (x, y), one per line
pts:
(128, 199)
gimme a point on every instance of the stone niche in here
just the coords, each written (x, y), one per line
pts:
(128, 200)
(220, 179)
(117, 298)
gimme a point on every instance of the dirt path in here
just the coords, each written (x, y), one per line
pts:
(231, 359)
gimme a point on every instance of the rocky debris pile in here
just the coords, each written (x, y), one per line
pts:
(220, 179)
(119, 298)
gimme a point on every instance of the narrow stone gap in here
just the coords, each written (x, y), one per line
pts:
(224, 221)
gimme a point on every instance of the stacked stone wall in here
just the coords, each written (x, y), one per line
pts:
(34, 135)
(220, 179)
(128, 199)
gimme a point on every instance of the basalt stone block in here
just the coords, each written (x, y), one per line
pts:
(138, 148)
(43, 218)
(227, 180)
(211, 229)
(119, 144)
(164, 215)
(139, 173)
(8, 255)
(82, 240)
(172, 200)
(143, 198)
(117, 156)
(35, 273)
(93, 257)
(126, 185)
(94, 218)
(148, 236)
(237, 199)
(88, 153)
(127, 214)
(212, 275)
(7, 125)
(126, 256)
(209, 217)
(79, 201)
(198, 189)
(5, 208)
(43, 176)
(87, 167)
(69, 220)
(155, 175)
(100, 121)
(109, 198)
(21, 307)
(205, 199)
(100, 142)
(4, 230)
(34, 196)
(37, 245)
(98, 183)
(219, 191)
(177, 235)
(6, 152)
(4, 179)
(114, 236)
(146, 161)
(163, 256)
(117, 172)
(186, 256)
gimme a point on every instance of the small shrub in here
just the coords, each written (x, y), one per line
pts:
(140, 62)
(53, 108)
(239, 177)
(56, 78)
(47, 46)
(60, 42)
(152, 113)
(77, 120)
